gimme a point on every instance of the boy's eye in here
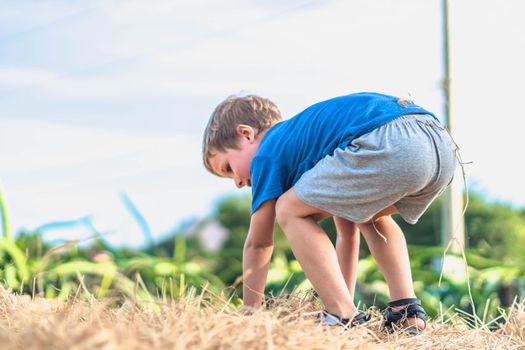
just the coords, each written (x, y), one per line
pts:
(227, 169)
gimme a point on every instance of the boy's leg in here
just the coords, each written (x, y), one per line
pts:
(392, 257)
(347, 248)
(315, 252)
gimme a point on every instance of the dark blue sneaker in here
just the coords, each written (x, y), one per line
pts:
(411, 307)
(329, 319)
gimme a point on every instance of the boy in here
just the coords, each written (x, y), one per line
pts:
(358, 158)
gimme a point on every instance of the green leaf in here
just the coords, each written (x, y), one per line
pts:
(3, 216)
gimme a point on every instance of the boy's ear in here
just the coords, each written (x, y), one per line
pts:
(247, 132)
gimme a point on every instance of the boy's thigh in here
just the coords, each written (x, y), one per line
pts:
(385, 212)
(289, 205)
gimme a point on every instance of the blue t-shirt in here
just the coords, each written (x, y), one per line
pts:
(293, 146)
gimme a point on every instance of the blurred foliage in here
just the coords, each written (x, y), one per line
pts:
(496, 230)
(30, 265)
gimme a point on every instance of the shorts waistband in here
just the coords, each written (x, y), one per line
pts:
(424, 118)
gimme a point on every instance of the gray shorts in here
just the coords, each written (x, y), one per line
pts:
(406, 162)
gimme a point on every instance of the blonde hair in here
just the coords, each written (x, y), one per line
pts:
(220, 133)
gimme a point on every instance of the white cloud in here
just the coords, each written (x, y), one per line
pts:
(57, 146)
(136, 49)
(19, 17)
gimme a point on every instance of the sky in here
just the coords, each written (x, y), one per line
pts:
(103, 98)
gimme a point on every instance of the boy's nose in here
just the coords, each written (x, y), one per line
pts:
(239, 183)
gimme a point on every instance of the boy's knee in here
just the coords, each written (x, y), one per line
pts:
(288, 208)
(283, 211)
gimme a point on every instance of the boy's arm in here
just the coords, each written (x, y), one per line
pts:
(257, 253)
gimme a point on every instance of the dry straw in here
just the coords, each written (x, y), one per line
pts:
(208, 321)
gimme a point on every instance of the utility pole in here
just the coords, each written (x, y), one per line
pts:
(452, 224)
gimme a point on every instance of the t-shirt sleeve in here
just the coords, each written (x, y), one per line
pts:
(269, 180)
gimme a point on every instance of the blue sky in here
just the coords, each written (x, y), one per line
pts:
(103, 97)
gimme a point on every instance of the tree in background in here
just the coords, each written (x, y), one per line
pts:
(495, 230)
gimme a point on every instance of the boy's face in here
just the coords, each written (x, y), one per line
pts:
(235, 163)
